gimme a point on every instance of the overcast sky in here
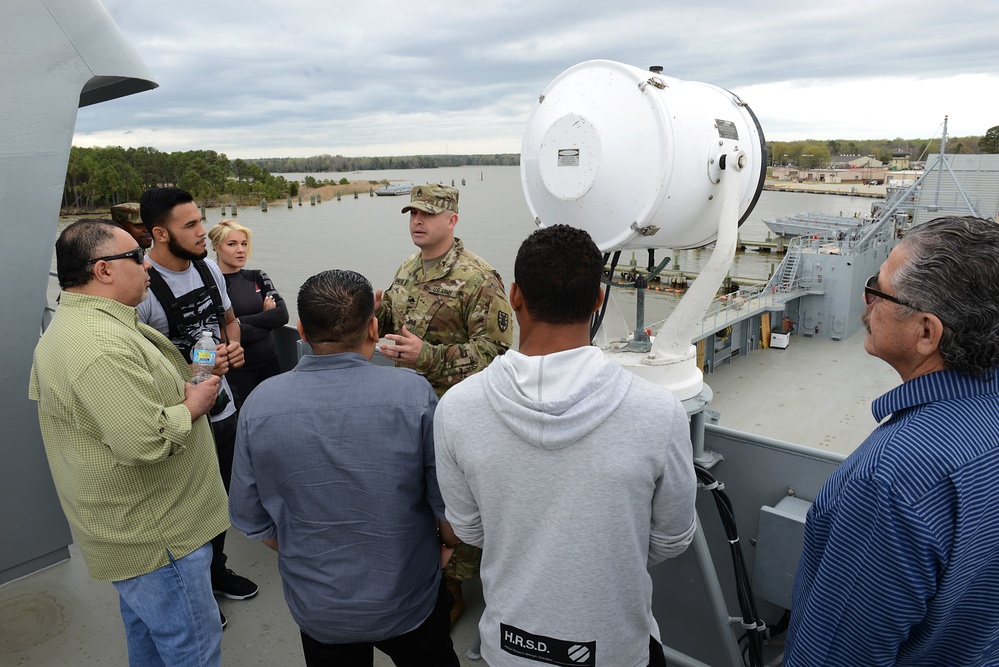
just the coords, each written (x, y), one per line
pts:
(278, 78)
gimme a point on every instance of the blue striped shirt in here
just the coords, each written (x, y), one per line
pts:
(901, 557)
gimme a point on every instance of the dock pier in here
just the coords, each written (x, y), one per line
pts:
(675, 279)
(672, 280)
(778, 245)
(854, 190)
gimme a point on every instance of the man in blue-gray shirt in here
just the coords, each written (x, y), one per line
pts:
(334, 469)
(901, 558)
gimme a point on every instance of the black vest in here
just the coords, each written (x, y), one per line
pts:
(190, 314)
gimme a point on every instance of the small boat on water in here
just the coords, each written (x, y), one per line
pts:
(394, 190)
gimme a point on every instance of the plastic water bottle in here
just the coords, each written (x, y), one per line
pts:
(203, 357)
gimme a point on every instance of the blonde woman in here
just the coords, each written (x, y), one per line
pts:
(255, 302)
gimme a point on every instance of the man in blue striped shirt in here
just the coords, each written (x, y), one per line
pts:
(901, 558)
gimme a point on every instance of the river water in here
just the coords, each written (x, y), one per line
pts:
(370, 234)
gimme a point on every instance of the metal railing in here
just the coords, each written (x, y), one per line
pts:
(727, 309)
(49, 310)
(741, 304)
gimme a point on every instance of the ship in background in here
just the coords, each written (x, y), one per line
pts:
(822, 275)
(962, 184)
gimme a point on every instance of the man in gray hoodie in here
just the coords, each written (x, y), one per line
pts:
(571, 473)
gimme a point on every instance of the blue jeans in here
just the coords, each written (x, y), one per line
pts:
(171, 617)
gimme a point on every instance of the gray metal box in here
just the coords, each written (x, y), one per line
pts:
(779, 542)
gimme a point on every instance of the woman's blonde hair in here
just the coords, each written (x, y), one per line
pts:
(220, 232)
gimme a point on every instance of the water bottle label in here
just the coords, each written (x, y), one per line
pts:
(203, 357)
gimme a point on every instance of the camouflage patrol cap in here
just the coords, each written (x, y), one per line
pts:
(433, 199)
(126, 213)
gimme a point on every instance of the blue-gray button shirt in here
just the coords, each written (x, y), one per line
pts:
(335, 459)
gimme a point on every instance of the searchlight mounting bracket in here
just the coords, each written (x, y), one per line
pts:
(672, 359)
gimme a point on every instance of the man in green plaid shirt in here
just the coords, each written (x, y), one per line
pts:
(130, 449)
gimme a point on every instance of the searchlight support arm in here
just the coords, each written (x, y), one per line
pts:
(673, 350)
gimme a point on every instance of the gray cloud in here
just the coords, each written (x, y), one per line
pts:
(266, 77)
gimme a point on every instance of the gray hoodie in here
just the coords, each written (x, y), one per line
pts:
(574, 476)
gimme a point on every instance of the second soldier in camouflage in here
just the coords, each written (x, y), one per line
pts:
(127, 217)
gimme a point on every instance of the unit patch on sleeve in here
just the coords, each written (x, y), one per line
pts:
(547, 649)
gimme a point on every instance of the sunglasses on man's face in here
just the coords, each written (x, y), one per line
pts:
(138, 254)
(871, 292)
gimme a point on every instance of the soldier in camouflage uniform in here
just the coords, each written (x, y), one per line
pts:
(449, 316)
(127, 217)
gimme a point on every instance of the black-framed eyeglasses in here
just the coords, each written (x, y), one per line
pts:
(870, 293)
(138, 254)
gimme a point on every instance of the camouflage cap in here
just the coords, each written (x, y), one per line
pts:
(126, 213)
(433, 199)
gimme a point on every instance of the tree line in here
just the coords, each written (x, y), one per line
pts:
(816, 154)
(319, 164)
(98, 178)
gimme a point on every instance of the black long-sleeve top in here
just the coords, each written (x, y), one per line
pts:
(247, 289)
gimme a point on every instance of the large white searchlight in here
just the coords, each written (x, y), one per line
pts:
(642, 160)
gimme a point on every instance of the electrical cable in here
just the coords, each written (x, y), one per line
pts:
(754, 625)
(597, 320)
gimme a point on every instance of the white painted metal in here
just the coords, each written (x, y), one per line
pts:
(55, 55)
(634, 157)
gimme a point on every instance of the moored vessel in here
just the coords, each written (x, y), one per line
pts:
(394, 190)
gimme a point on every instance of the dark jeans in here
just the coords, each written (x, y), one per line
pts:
(224, 432)
(656, 658)
(243, 381)
(426, 646)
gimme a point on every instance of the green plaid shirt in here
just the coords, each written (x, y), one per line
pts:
(135, 477)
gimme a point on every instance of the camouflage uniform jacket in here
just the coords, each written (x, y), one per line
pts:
(459, 309)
